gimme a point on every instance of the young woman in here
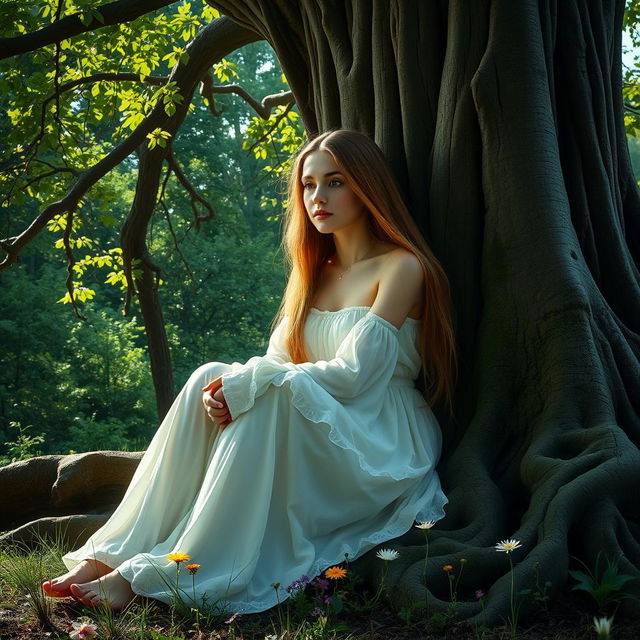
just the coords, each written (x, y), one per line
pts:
(320, 448)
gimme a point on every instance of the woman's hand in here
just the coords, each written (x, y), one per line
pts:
(215, 404)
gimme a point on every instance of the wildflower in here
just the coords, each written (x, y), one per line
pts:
(178, 557)
(321, 583)
(271, 636)
(192, 568)
(388, 554)
(231, 618)
(508, 545)
(275, 585)
(447, 568)
(335, 573)
(602, 627)
(327, 600)
(316, 612)
(425, 525)
(463, 561)
(479, 594)
(297, 584)
(82, 630)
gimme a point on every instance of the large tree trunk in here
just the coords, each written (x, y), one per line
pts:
(503, 121)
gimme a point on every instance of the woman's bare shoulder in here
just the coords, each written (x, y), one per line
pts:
(403, 260)
(400, 291)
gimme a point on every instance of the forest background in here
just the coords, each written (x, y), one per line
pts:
(71, 385)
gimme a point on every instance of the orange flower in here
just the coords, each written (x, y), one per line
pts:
(178, 557)
(192, 567)
(447, 568)
(335, 572)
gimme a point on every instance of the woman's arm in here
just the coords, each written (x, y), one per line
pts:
(400, 287)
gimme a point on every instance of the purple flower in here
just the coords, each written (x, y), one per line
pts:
(321, 583)
(297, 584)
(327, 600)
(479, 594)
(316, 612)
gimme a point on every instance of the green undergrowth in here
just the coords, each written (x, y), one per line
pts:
(335, 605)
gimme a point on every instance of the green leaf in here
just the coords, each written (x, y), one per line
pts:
(97, 15)
(336, 604)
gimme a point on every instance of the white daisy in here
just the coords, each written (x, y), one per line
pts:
(425, 525)
(388, 554)
(508, 545)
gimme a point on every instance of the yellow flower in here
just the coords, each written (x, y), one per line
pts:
(335, 572)
(447, 568)
(178, 557)
(192, 567)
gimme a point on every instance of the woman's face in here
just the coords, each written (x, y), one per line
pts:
(330, 202)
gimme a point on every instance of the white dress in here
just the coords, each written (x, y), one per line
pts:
(328, 457)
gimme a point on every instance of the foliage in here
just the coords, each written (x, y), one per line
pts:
(107, 81)
(84, 385)
(23, 447)
(69, 381)
(604, 586)
(277, 137)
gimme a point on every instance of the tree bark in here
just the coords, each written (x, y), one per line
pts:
(504, 124)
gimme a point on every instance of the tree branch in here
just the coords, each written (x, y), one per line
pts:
(263, 108)
(206, 91)
(71, 260)
(186, 77)
(628, 106)
(50, 173)
(211, 44)
(113, 76)
(176, 244)
(194, 195)
(31, 149)
(272, 127)
(112, 13)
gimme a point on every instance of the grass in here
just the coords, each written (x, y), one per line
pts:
(340, 610)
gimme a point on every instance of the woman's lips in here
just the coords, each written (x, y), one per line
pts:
(321, 215)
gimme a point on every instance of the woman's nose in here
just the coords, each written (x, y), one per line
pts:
(318, 196)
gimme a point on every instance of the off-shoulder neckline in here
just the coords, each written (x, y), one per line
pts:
(352, 307)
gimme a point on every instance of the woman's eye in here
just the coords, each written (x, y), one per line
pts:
(306, 185)
(336, 181)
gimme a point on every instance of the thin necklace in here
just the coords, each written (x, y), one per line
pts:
(345, 271)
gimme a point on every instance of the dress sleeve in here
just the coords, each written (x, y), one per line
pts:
(277, 349)
(364, 363)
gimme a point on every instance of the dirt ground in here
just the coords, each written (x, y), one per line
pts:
(568, 619)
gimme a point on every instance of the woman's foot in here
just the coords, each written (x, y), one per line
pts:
(111, 588)
(84, 572)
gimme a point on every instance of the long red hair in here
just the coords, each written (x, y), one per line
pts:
(306, 250)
